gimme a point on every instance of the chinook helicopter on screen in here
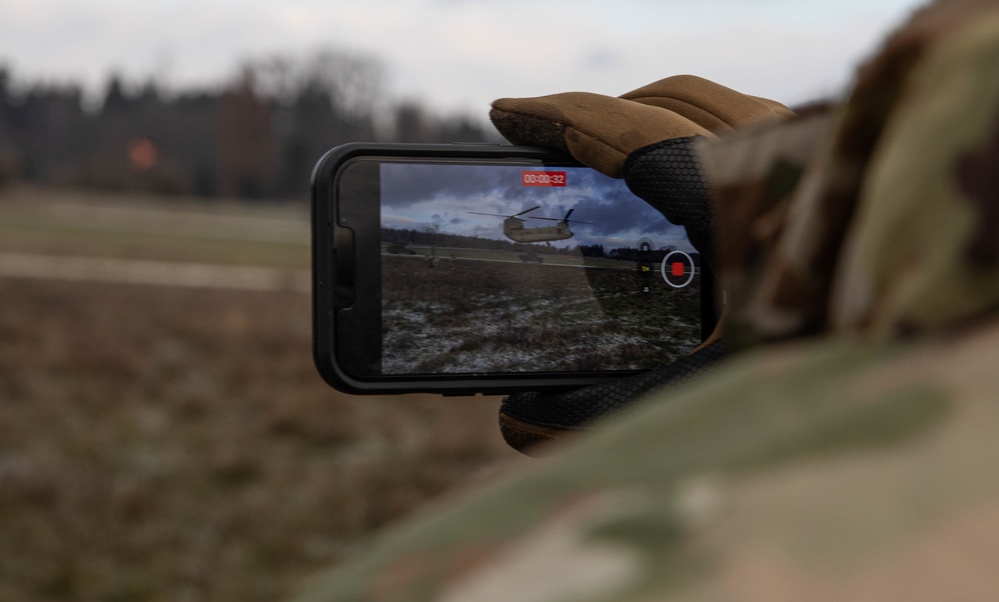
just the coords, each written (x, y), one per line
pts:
(514, 229)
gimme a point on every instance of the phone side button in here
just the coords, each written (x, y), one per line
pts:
(344, 289)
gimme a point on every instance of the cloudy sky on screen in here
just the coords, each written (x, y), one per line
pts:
(460, 54)
(417, 196)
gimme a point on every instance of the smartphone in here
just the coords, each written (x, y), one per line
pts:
(463, 269)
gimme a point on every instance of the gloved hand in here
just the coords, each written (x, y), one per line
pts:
(646, 137)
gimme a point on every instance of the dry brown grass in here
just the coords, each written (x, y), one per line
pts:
(169, 444)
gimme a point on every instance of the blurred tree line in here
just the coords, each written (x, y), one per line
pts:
(256, 136)
(432, 235)
(435, 236)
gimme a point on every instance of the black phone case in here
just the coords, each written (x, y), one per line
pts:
(333, 261)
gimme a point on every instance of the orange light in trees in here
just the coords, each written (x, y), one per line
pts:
(143, 154)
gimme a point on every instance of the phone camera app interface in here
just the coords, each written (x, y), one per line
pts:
(512, 268)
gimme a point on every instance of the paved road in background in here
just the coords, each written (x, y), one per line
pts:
(157, 273)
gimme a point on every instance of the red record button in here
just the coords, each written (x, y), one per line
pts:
(678, 269)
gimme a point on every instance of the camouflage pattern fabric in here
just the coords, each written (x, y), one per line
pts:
(833, 201)
(849, 452)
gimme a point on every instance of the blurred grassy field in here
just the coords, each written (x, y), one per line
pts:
(168, 443)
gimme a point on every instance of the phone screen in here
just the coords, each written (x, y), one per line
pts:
(504, 268)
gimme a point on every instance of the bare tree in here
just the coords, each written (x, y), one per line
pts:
(351, 82)
(246, 142)
(259, 135)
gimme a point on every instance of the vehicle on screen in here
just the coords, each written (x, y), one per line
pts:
(515, 230)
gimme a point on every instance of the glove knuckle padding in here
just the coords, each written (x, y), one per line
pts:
(599, 131)
(710, 105)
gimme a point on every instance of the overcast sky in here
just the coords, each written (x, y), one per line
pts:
(415, 196)
(461, 54)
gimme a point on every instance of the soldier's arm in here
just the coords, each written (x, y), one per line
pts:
(847, 467)
(646, 136)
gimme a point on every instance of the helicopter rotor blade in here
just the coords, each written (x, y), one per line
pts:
(571, 221)
(566, 218)
(506, 216)
(528, 211)
(489, 214)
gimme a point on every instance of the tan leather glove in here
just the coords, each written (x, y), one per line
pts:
(602, 131)
(644, 136)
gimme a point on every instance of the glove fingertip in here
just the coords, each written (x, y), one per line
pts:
(505, 104)
(519, 128)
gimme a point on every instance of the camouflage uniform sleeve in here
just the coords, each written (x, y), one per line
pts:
(880, 485)
(856, 220)
(856, 466)
(906, 271)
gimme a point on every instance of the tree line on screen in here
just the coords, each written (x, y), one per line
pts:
(432, 236)
(256, 136)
